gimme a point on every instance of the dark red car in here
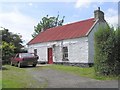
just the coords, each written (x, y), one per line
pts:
(24, 59)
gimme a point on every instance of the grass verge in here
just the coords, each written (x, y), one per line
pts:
(0, 79)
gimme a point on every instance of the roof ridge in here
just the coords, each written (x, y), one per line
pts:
(79, 21)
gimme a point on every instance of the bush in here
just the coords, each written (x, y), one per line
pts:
(7, 51)
(117, 51)
(107, 60)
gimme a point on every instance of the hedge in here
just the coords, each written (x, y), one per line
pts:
(107, 48)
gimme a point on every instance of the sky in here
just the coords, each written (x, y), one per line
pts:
(20, 16)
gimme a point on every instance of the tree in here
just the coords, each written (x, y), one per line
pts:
(117, 51)
(15, 39)
(46, 23)
(11, 43)
(107, 48)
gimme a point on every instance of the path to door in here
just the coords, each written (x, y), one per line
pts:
(58, 79)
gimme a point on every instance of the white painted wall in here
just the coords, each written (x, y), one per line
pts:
(57, 56)
(77, 50)
(41, 50)
(91, 41)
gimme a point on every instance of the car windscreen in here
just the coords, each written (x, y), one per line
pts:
(23, 55)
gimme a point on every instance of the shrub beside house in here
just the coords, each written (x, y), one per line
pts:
(107, 48)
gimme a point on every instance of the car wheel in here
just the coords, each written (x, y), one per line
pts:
(12, 64)
(34, 65)
(19, 65)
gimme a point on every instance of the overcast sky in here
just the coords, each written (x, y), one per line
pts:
(21, 16)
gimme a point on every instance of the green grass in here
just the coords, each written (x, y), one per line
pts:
(14, 77)
(84, 72)
(0, 79)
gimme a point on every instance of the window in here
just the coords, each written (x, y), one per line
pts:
(35, 51)
(65, 54)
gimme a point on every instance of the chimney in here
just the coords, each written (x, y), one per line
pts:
(98, 14)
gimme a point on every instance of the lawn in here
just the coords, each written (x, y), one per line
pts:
(14, 77)
(84, 72)
(0, 79)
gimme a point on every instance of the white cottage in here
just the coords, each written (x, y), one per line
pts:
(71, 44)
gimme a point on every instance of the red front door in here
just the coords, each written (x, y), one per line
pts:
(50, 57)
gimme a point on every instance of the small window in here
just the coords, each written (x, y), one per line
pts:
(65, 54)
(35, 51)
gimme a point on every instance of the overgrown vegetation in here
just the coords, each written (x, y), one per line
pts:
(11, 43)
(107, 48)
(7, 51)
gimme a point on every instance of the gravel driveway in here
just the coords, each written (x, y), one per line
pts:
(57, 79)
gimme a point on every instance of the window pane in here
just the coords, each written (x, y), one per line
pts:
(35, 51)
(65, 49)
(65, 54)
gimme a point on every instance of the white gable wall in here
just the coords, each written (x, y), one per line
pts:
(91, 41)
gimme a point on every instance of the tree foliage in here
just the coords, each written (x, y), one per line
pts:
(46, 23)
(117, 51)
(107, 42)
(10, 37)
(7, 50)
(11, 43)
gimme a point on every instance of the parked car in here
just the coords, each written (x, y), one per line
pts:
(24, 59)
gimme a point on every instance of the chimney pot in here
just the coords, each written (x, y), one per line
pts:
(98, 14)
(99, 8)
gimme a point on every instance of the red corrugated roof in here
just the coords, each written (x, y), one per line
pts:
(69, 31)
